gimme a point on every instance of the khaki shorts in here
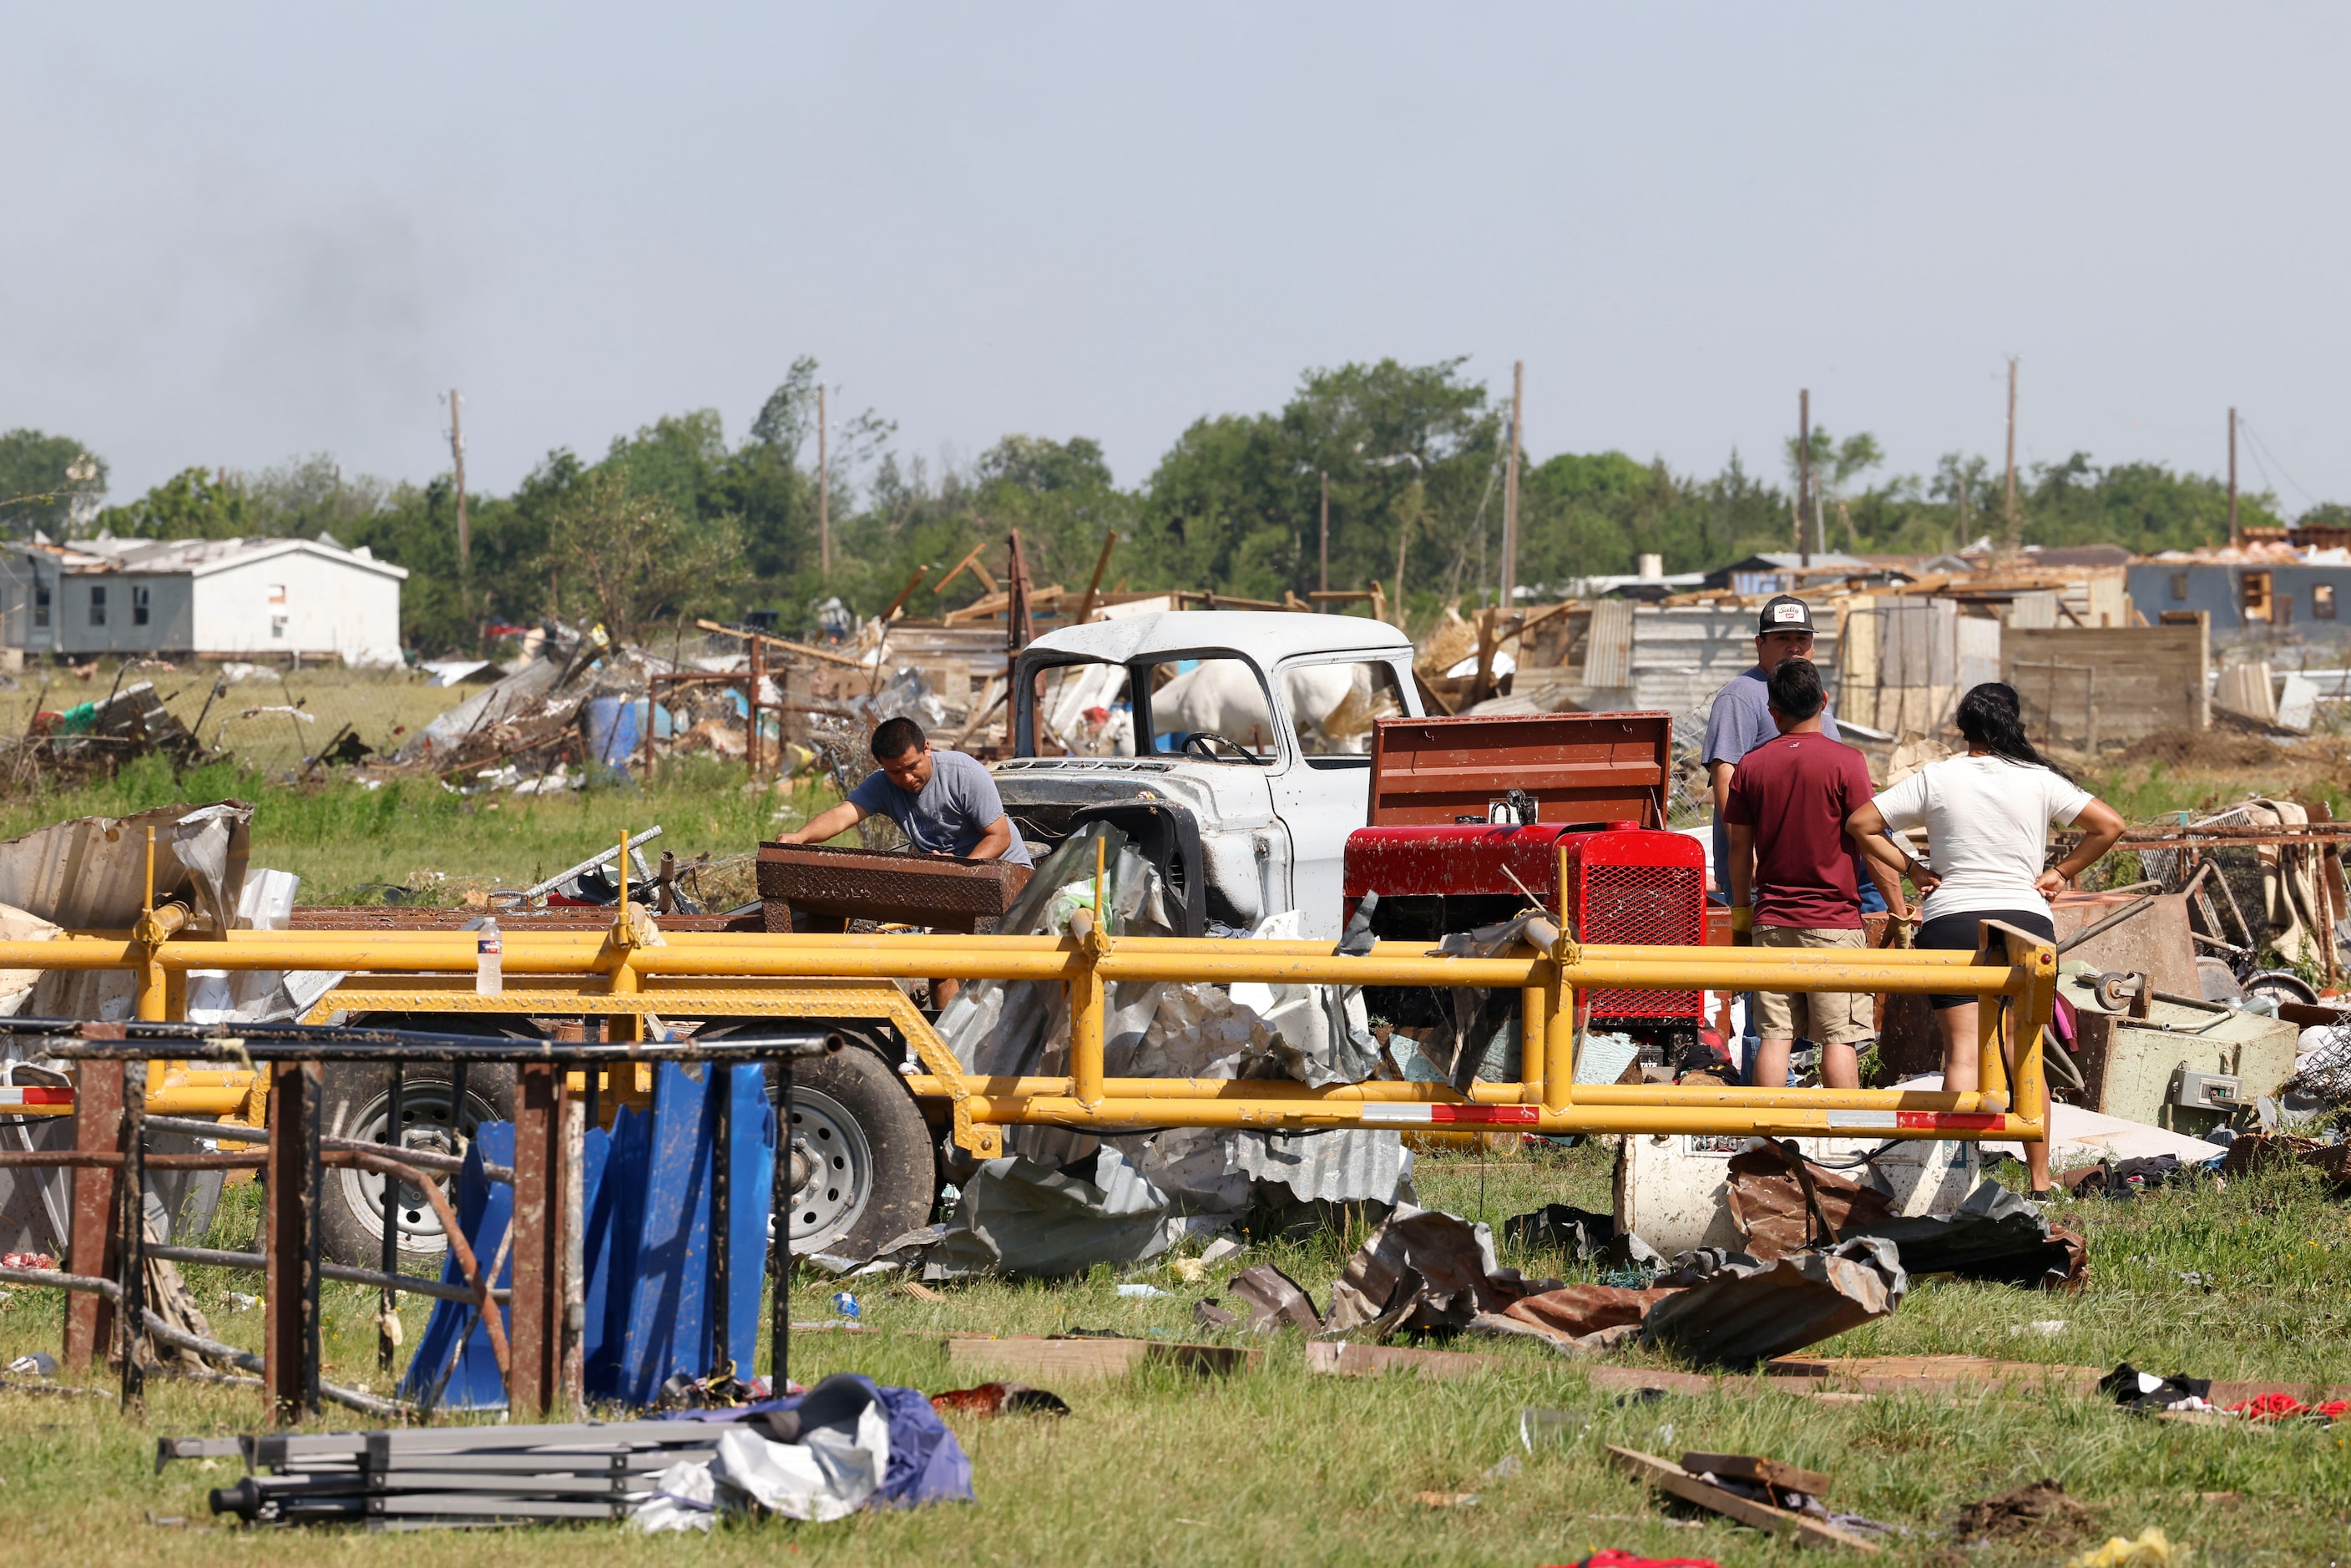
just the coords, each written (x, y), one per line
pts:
(1824, 1017)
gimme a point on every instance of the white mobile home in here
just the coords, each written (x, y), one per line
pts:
(237, 598)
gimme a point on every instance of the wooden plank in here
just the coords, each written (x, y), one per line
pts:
(1934, 1373)
(1668, 1476)
(800, 648)
(1348, 1360)
(1761, 1470)
(90, 1244)
(1036, 1359)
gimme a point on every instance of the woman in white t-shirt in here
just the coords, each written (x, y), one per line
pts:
(1987, 818)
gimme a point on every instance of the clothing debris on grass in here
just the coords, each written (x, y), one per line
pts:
(2282, 1406)
(2144, 1393)
(2152, 1549)
(996, 1398)
(845, 1445)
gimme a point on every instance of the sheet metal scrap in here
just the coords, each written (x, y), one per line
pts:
(1274, 1299)
(451, 1476)
(1782, 1206)
(2270, 1151)
(1578, 1310)
(1423, 1269)
(1997, 1236)
(1740, 1315)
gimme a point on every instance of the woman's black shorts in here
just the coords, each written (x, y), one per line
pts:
(1958, 931)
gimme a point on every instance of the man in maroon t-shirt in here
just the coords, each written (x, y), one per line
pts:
(1786, 815)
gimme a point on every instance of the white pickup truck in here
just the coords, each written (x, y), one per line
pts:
(1252, 758)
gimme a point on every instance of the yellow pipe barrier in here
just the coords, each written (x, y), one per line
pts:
(2016, 978)
(1389, 1090)
(1645, 1116)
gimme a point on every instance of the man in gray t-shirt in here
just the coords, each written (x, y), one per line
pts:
(944, 802)
(1741, 719)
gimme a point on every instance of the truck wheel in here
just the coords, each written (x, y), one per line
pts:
(862, 1172)
(358, 1102)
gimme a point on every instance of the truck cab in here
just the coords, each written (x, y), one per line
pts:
(1245, 761)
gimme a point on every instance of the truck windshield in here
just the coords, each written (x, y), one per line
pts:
(1211, 710)
(1084, 710)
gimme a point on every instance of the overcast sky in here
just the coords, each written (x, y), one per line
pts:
(241, 233)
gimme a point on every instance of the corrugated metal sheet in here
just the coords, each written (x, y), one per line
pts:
(1740, 1315)
(1334, 1165)
(92, 874)
(1608, 646)
(1681, 657)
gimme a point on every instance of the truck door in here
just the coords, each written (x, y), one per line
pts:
(1323, 791)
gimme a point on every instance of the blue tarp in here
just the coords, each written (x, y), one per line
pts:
(483, 1209)
(646, 1243)
(660, 1327)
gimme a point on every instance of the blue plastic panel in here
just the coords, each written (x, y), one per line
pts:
(483, 1209)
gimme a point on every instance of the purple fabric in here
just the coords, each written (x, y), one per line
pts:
(926, 1463)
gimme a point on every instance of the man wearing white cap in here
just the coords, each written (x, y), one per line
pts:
(1740, 720)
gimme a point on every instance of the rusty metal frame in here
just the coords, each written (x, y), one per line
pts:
(539, 1361)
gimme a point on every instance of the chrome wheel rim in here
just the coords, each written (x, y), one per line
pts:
(425, 1116)
(832, 1172)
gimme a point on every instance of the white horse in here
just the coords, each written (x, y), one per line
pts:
(1330, 705)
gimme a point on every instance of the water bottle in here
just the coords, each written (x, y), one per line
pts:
(489, 960)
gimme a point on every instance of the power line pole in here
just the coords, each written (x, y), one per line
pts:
(457, 456)
(823, 491)
(1326, 530)
(2012, 529)
(2232, 478)
(1803, 472)
(1511, 492)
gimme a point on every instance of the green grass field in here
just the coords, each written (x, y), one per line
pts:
(1283, 1466)
(348, 843)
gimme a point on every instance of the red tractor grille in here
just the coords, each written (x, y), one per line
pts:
(1648, 907)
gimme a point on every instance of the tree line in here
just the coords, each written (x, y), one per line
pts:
(674, 520)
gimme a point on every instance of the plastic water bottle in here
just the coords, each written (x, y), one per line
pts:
(489, 960)
(845, 1304)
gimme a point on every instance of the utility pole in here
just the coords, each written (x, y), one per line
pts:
(457, 456)
(2011, 533)
(2232, 478)
(823, 491)
(1325, 581)
(1511, 492)
(1803, 472)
